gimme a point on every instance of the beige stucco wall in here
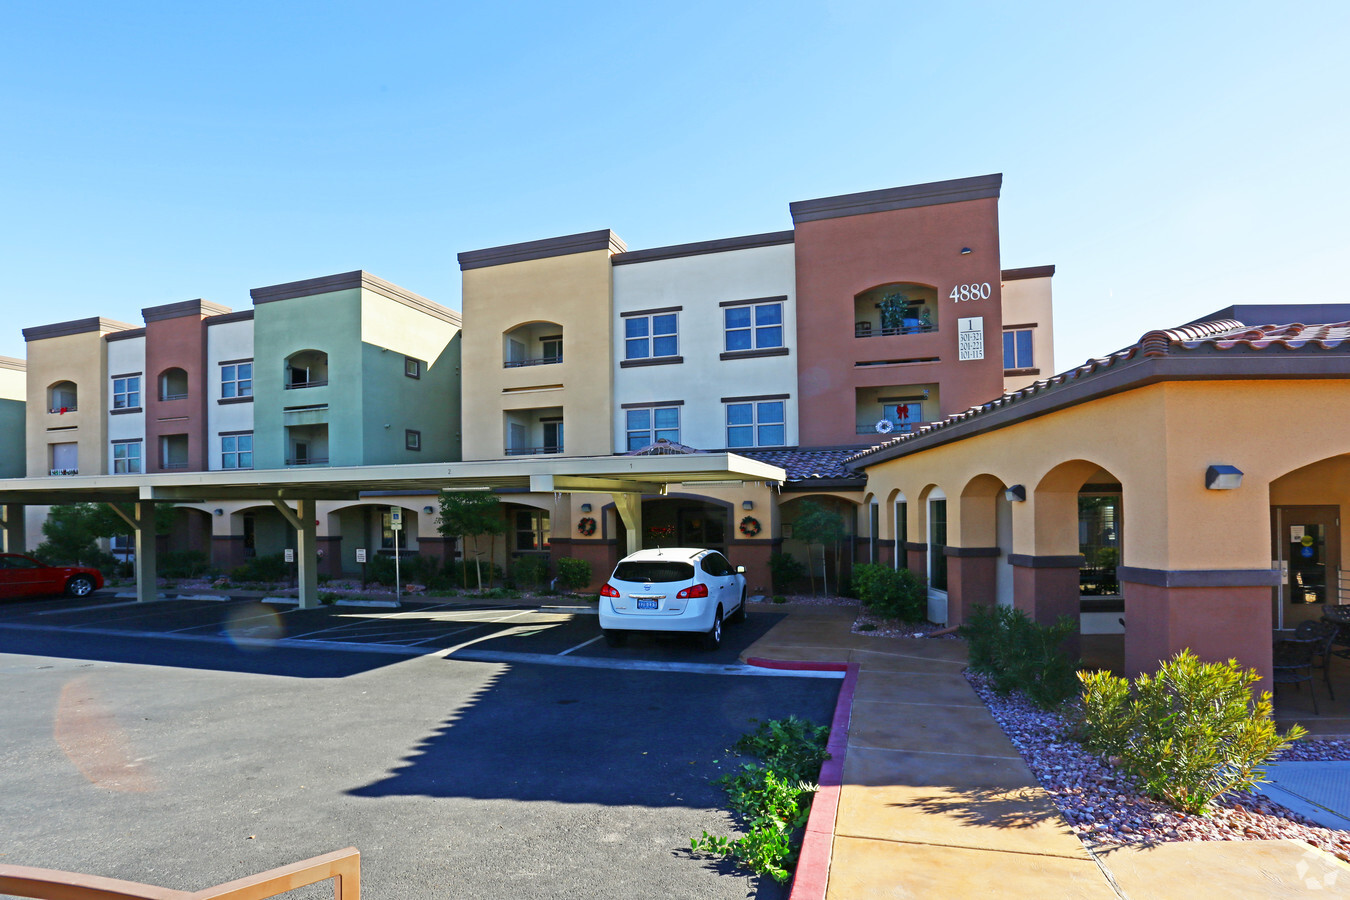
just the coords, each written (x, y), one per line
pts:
(1157, 441)
(1027, 301)
(572, 291)
(81, 358)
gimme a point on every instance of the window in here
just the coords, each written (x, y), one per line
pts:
(648, 337)
(937, 541)
(173, 451)
(551, 348)
(236, 451)
(553, 437)
(756, 326)
(532, 532)
(904, 416)
(126, 456)
(756, 424)
(413, 369)
(127, 392)
(1017, 349)
(236, 380)
(651, 424)
(412, 440)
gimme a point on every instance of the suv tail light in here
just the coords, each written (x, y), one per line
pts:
(608, 591)
(696, 590)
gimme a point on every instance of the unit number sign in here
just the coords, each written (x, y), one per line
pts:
(970, 338)
(981, 291)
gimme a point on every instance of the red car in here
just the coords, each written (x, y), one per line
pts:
(23, 576)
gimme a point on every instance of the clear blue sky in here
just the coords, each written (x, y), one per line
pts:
(1170, 159)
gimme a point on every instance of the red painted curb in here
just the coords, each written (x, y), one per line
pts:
(813, 863)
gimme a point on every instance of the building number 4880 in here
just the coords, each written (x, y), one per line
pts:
(970, 292)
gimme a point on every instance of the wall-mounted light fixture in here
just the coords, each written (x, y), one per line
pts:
(1016, 493)
(585, 507)
(965, 251)
(1223, 478)
(747, 504)
(427, 510)
(218, 511)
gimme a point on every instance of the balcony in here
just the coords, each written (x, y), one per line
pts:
(895, 309)
(895, 409)
(64, 472)
(306, 369)
(533, 432)
(306, 460)
(533, 344)
(533, 451)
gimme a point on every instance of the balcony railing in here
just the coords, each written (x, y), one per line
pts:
(313, 382)
(896, 428)
(539, 361)
(866, 329)
(176, 396)
(64, 472)
(532, 451)
(62, 410)
(173, 465)
(308, 461)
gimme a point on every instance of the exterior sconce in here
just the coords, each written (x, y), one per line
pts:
(1223, 478)
(585, 507)
(427, 510)
(1016, 493)
(218, 511)
(965, 251)
(747, 504)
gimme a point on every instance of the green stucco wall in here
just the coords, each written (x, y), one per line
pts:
(12, 439)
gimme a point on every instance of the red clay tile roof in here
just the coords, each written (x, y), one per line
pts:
(1219, 336)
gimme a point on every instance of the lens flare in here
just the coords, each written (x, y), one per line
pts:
(254, 627)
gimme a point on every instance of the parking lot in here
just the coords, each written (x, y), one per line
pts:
(468, 750)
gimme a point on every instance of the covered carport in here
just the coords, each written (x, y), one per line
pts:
(295, 492)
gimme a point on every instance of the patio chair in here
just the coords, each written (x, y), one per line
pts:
(1340, 617)
(1324, 633)
(1293, 664)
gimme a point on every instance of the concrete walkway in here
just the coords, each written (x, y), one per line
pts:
(935, 801)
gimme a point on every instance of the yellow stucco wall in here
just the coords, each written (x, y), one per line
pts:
(1157, 442)
(1027, 301)
(81, 358)
(572, 291)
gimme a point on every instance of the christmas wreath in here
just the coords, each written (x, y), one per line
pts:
(586, 526)
(750, 526)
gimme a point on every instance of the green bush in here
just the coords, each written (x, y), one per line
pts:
(529, 571)
(1190, 733)
(573, 574)
(184, 564)
(467, 578)
(1021, 655)
(264, 568)
(891, 593)
(785, 572)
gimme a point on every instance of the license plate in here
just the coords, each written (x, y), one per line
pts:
(646, 604)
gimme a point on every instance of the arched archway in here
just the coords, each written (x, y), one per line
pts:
(818, 531)
(1308, 543)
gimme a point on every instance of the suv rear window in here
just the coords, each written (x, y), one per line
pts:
(655, 571)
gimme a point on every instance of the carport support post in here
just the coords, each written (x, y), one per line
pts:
(12, 537)
(306, 547)
(630, 511)
(147, 567)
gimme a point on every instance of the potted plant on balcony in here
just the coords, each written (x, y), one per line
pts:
(893, 309)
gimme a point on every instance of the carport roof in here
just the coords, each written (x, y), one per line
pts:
(598, 474)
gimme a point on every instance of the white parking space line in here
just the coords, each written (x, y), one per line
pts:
(582, 644)
(57, 612)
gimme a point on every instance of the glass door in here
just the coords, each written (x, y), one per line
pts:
(1306, 549)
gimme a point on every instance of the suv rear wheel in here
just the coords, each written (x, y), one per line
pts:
(712, 638)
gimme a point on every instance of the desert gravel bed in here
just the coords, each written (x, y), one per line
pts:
(1104, 808)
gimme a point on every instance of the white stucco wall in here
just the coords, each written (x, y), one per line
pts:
(698, 284)
(125, 358)
(227, 341)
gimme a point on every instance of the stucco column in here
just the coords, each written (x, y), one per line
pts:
(629, 507)
(1045, 588)
(147, 566)
(11, 527)
(970, 580)
(306, 547)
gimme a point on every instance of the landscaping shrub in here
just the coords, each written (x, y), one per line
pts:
(184, 564)
(773, 797)
(466, 577)
(264, 568)
(1021, 655)
(573, 574)
(1190, 733)
(891, 593)
(785, 572)
(529, 571)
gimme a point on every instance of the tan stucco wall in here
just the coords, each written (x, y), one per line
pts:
(1027, 301)
(572, 291)
(81, 358)
(1157, 441)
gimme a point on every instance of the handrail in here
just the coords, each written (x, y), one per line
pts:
(344, 866)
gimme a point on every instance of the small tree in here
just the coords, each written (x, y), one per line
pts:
(471, 514)
(819, 525)
(73, 532)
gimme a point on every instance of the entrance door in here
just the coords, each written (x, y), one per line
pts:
(1307, 549)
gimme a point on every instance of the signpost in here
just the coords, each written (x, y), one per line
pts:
(361, 558)
(396, 525)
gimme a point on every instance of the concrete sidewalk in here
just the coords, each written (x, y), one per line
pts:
(936, 801)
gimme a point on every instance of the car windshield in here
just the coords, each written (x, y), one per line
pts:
(654, 571)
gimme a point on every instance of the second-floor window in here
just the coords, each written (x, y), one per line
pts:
(651, 337)
(757, 326)
(1017, 349)
(236, 451)
(236, 380)
(647, 425)
(126, 457)
(757, 423)
(127, 392)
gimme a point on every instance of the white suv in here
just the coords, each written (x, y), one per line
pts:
(672, 589)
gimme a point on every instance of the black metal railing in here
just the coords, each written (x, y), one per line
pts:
(896, 428)
(313, 382)
(538, 361)
(531, 451)
(308, 461)
(867, 329)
